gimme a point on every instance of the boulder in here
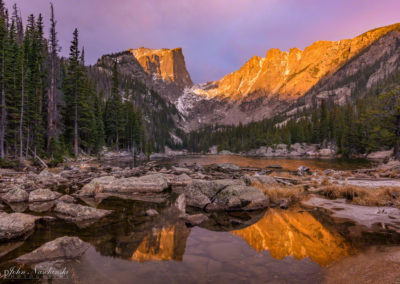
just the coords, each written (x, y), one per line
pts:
(67, 199)
(64, 248)
(264, 179)
(180, 203)
(380, 155)
(180, 180)
(16, 195)
(302, 170)
(238, 197)
(225, 152)
(78, 213)
(228, 167)
(224, 195)
(180, 170)
(326, 152)
(152, 212)
(41, 206)
(213, 150)
(43, 194)
(16, 225)
(153, 183)
(194, 220)
(48, 179)
(284, 203)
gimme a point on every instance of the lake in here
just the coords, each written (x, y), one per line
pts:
(298, 245)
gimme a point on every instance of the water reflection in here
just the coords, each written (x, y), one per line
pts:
(297, 234)
(166, 243)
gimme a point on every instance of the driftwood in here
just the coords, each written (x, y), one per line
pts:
(39, 159)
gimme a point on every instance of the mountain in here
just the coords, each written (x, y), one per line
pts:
(164, 64)
(280, 82)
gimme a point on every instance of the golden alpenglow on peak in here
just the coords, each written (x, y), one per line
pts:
(164, 64)
(290, 75)
(290, 233)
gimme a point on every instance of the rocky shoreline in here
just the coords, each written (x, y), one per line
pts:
(297, 150)
(72, 193)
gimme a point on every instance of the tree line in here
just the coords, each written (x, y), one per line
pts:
(49, 106)
(368, 122)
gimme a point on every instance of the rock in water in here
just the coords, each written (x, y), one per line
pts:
(63, 248)
(302, 170)
(16, 225)
(195, 220)
(152, 212)
(78, 213)
(228, 195)
(154, 183)
(238, 197)
(180, 203)
(43, 194)
(16, 195)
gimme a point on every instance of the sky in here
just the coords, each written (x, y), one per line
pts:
(217, 36)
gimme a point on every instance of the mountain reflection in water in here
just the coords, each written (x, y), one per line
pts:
(166, 243)
(297, 234)
(282, 233)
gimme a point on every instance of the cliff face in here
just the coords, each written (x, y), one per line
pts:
(290, 75)
(164, 64)
(290, 81)
(264, 86)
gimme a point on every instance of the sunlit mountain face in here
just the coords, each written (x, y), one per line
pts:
(296, 234)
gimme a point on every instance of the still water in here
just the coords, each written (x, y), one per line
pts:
(298, 245)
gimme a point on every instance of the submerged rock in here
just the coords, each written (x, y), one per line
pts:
(16, 195)
(43, 194)
(64, 248)
(16, 225)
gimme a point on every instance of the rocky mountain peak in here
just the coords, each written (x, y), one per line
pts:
(164, 64)
(289, 75)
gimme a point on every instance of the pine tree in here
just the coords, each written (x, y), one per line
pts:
(72, 87)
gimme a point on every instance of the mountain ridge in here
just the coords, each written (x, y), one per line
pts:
(265, 86)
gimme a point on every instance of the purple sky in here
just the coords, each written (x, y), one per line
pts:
(217, 36)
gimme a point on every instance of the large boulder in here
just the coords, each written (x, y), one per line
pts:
(201, 192)
(229, 195)
(180, 180)
(154, 183)
(48, 179)
(64, 248)
(79, 213)
(238, 197)
(326, 152)
(43, 194)
(16, 225)
(15, 195)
